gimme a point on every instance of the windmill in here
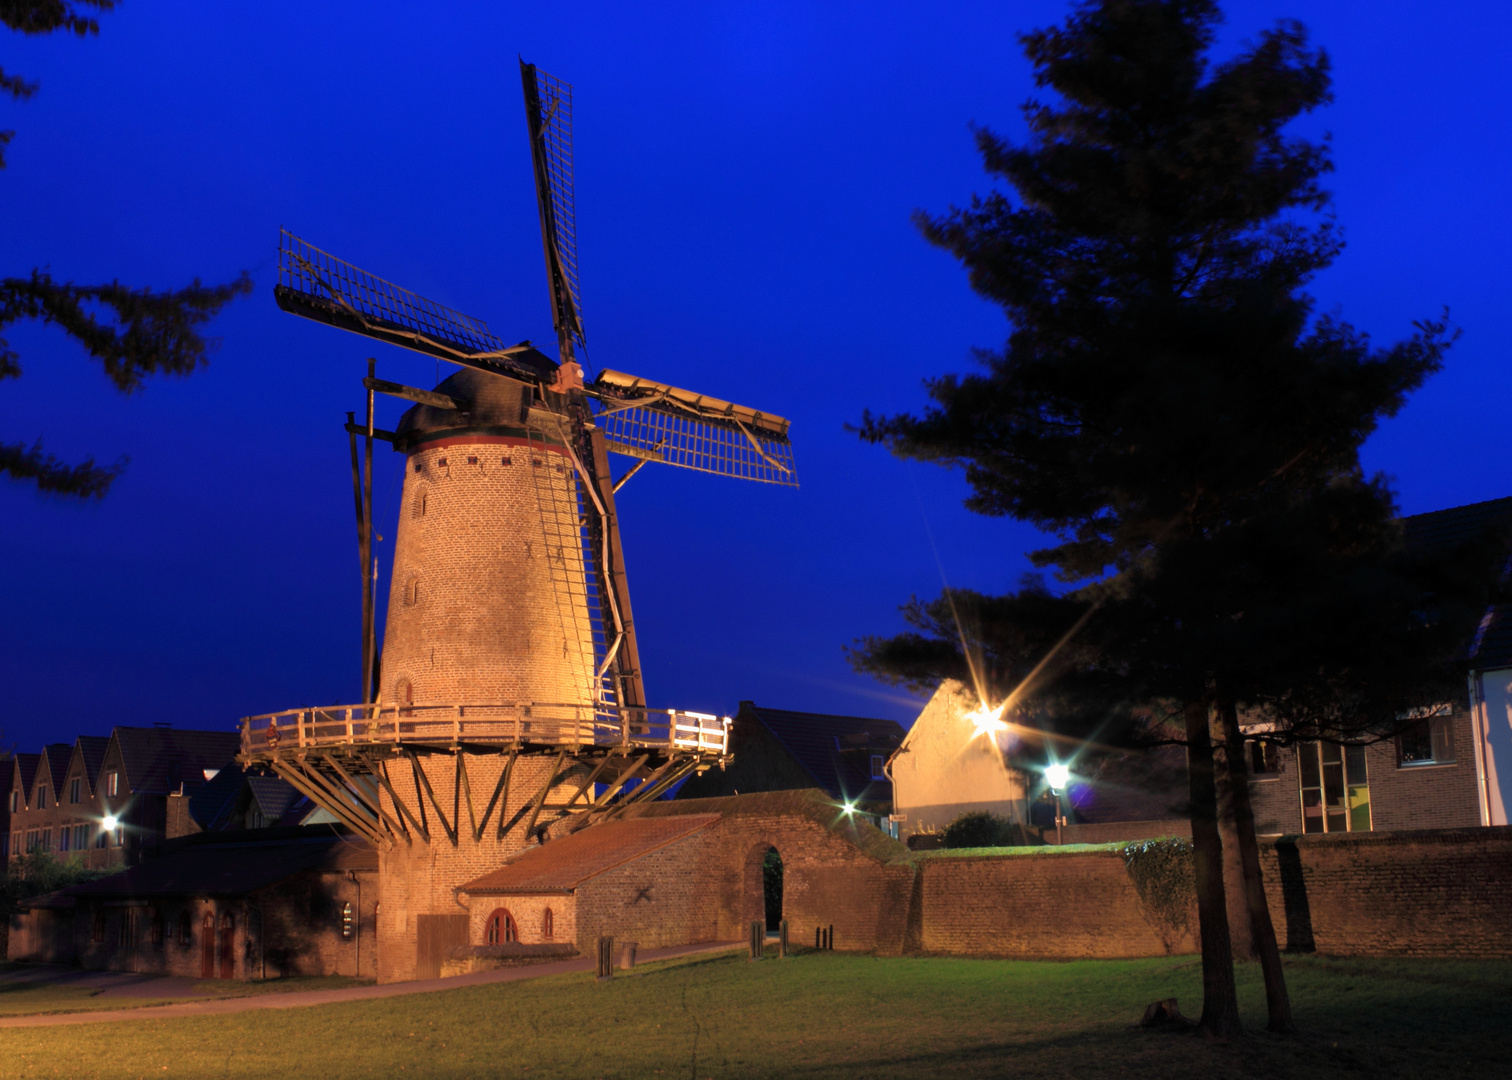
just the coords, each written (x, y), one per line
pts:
(510, 657)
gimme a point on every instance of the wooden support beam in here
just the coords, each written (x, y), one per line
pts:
(501, 791)
(451, 832)
(302, 780)
(395, 827)
(541, 797)
(338, 795)
(411, 393)
(380, 770)
(464, 789)
(594, 775)
(625, 777)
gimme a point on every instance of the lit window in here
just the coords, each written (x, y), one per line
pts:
(112, 784)
(1430, 741)
(1262, 756)
(1335, 788)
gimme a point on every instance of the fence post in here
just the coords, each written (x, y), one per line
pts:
(758, 938)
(782, 940)
(605, 958)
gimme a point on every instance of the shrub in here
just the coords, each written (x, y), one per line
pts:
(980, 828)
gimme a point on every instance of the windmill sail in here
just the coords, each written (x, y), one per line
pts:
(319, 286)
(653, 421)
(548, 113)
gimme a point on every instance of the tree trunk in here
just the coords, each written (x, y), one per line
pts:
(1262, 930)
(1220, 1006)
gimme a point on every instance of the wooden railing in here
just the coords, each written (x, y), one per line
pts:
(670, 730)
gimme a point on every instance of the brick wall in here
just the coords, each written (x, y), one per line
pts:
(836, 872)
(1430, 893)
(422, 879)
(478, 606)
(1045, 904)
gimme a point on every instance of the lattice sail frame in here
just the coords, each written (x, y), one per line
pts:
(316, 284)
(548, 107)
(656, 422)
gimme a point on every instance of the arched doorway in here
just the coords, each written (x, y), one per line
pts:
(228, 946)
(771, 889)
(501, 928)
(207, 946)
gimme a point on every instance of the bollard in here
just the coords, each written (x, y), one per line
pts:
(818, 937)
(605, 958)
(627, 955)
(782, 940)
(758, 939)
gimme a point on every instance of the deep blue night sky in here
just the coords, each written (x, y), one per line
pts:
(745, 179)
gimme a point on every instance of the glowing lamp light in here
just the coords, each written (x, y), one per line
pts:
(849, 808)
(110, 822)
(987, 721)
(1058, 776)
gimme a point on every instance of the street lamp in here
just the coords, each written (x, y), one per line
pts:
(1058, 776)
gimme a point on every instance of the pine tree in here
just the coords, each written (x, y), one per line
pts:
(1170, 409)
(146, 332)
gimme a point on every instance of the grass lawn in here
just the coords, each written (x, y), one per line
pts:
(830, 1015)
(25, 998)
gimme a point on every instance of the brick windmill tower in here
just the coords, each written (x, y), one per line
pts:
(509, 693)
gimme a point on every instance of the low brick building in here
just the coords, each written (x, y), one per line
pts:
(247, 905)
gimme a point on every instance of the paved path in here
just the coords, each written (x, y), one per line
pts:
(301, 998)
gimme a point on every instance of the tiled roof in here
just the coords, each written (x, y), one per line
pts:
(156, 760)
(92, 749)
(231, 869)
(1456, 525)
(562, 865)
(834, 750)
(274, 797)
(215, 799)
(57, 756)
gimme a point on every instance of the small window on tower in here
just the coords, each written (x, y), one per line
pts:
(506, 460)
(418, 510)
(412, 591)
(472, 459)
(441, 463)
(419, 465)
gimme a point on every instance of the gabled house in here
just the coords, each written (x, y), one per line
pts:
(232, 798)
(784, 750)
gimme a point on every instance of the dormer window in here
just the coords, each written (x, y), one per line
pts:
(877, 763)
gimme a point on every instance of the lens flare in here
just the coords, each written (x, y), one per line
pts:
(110, 821)
(987, 722)
(1058, 776)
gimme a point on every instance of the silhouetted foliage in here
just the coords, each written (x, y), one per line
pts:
(980, 828)
(1170, 410)
(147, 332)
(40, 873)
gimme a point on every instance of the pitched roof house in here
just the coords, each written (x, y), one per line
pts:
(784, 750)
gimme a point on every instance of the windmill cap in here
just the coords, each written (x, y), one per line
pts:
(492, 401)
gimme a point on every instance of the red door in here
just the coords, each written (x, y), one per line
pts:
(228, 947)
(207, 947)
